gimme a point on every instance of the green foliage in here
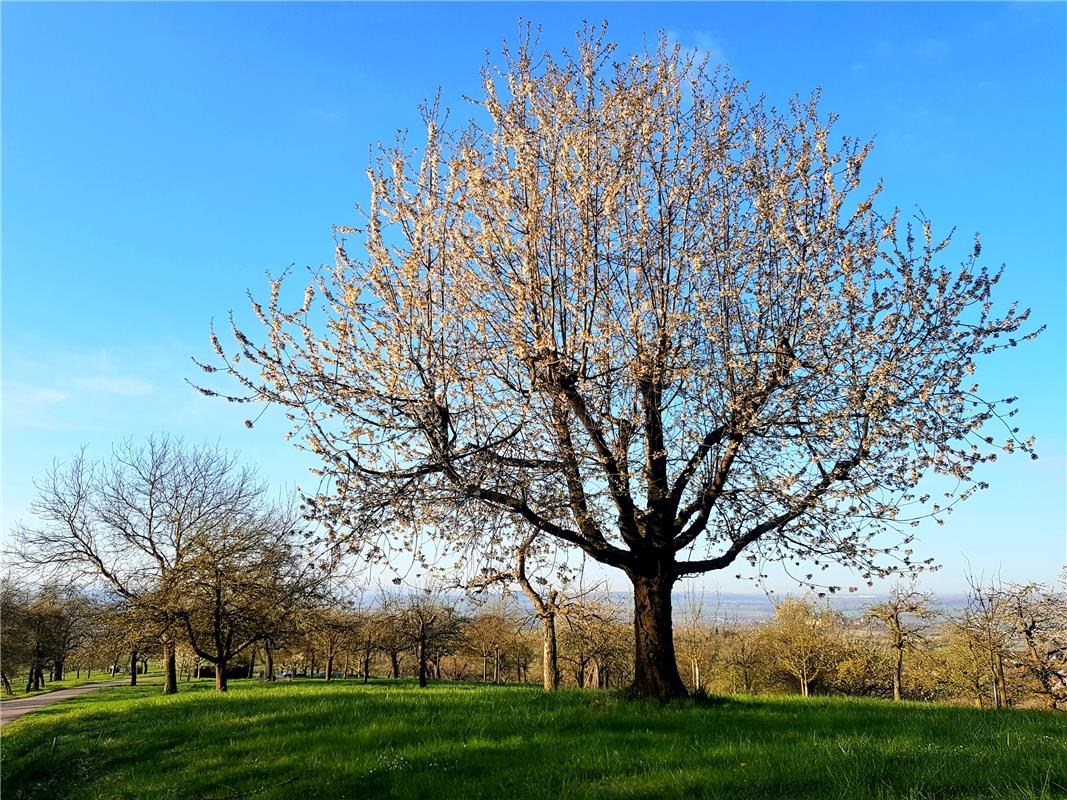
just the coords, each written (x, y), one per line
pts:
(389, 739)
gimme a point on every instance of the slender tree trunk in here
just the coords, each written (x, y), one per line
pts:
(394, 662)
(268, 655)
(329, 667)
(422, 655)
(898, 675)
(550, 656)
(7, 684)
(496, 664)
(1002, 683)
(196, 668)
(170, 667)
(655, 665)
(366, 662)
(220, 676)
(133, 668)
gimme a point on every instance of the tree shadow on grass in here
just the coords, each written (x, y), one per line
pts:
(394, 741)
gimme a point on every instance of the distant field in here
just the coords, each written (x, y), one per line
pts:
(391, 740)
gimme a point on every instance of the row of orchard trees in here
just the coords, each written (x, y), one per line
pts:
(1007, 646)
(176, 552)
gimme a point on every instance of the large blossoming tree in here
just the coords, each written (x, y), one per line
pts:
(641, 312)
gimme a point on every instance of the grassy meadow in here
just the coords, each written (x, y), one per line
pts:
(389, 739)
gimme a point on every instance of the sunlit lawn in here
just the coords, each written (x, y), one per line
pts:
(390, 739)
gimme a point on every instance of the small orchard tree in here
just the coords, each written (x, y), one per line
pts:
(645, 313)
(236, 586)
(805, 641)
(1039, 615)
(901, 616)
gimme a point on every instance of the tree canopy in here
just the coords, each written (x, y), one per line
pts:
(640, 310)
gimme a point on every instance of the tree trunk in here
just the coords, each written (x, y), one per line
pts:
(329, 667)
(268, 655)
(57, 670)
(366, 662)
(196, 668)
(133, 668)
(422, 655)
(898, 675)
(170, 667)
(1002, 683)
(220, 676)
(550, 657)
(394, 662)
(7, 684)
(655, 666)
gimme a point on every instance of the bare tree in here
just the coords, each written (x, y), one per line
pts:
(988, 632)
(902, 615)
(128, 522)
(639, 310)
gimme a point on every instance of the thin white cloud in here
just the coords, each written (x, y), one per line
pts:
(30, 406)
(700, 45)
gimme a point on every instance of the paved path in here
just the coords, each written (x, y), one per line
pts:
(13, 709)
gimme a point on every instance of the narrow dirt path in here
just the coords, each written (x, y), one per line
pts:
(13, 709)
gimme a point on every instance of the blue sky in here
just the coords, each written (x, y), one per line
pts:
(158, 159)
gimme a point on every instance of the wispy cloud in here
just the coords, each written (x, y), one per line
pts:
(53, 390)
(31, 406)
(700, 44)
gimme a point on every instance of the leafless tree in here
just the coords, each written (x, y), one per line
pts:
(902, 615)
(128, 522)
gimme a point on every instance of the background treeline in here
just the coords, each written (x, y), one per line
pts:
(1005, 648)
(177, 554)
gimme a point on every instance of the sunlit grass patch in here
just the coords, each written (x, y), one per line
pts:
(390, 739)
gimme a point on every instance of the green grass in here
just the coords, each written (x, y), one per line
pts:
(391, 740)
(69, 682)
